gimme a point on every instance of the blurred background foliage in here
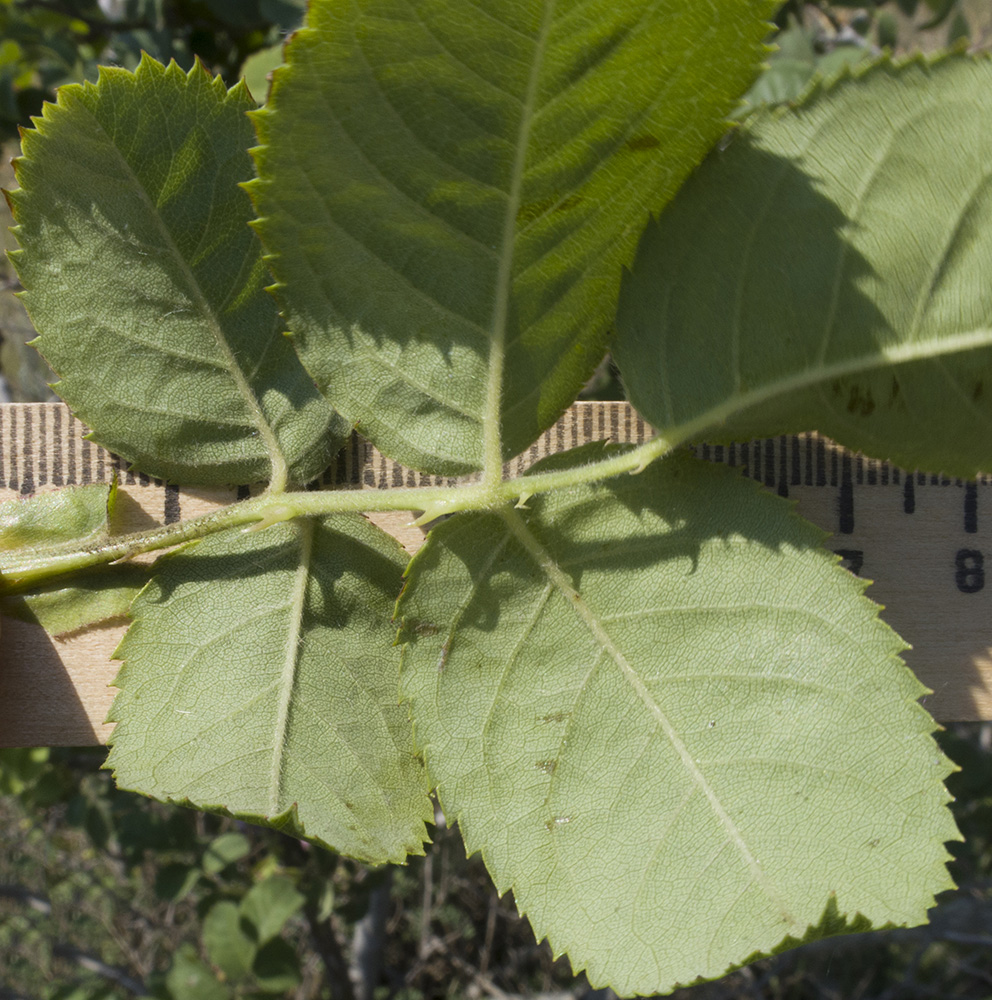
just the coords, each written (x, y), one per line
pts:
(105, 896)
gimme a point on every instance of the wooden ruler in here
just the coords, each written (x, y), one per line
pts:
(922, 539)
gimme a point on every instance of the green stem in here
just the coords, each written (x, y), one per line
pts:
(37, 567)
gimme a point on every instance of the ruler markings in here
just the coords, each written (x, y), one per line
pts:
(171, 504)
(971, 509)
(5, 445)
(41, 458)
(909, 496)
(57, 447)
(60, 456)
(845, 498)
(72, 436)
(28, 484)
(13, 480)
(925, 564)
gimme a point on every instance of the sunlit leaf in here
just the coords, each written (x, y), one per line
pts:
(260, 680)
(672, 725)
(449, 192)
(147, 286)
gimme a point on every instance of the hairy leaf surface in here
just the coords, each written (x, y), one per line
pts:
(449, 192)
(830, 271)
(64, 521)
(148, 287)
(260, 680)
(672, 724)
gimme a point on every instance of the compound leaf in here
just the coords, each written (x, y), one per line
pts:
(148, 287)
(449, 192)
(673, 725)
(829, 271)
(259, 679)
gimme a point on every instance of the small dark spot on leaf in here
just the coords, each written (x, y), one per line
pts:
(860, 402)
(533, 210)
(895, 390)
(642, 142)
(976, 393)
(547, 766)
(835, 387)
(426, 628)
(555, 717)
(570, 202)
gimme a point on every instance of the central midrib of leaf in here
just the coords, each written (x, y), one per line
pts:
(560, 581)
(290, 666)
(492, 435)
(280, 468)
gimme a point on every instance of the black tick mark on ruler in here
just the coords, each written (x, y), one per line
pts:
(908, 495)
(845, 500)
(971, 508)
(172, 511)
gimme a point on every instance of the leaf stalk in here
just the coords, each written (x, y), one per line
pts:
(33, 569)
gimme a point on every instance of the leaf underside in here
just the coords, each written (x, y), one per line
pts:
(62, 521)
(148, 287)
(260, 680)
(829, 271)
(491, 168)
(672, 725)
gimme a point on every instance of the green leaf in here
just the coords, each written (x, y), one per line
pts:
(66, 520)
(259, 680)
(277, 967)
(225, 850)
(829, 271)
(256, 70)
(229, 948)
(88, 598)
(190, 979)
(77, 514)
(888, 30)
(784, 80)
(148, 288)
(959, 29)
(268, 905)
(672, 725)
(175, 880)
(449, 192)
